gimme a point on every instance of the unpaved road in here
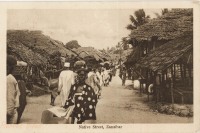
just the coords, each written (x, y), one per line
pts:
(118, 104)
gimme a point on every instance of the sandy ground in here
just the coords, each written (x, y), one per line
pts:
(118, 104)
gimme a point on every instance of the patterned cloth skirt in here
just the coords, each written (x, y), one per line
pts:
(84, 110)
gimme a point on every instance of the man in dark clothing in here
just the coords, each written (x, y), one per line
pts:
(123, 73)
(22, 98)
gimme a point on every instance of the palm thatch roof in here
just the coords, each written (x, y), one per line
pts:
(167, 54)
(33, 47)
(83, 52)
(23, 53)
(132, 56)
(175, 23)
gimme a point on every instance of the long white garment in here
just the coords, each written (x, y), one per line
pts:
(105, 76)
(66, 79)
(93, 81)
(100, 78)
(61, 112)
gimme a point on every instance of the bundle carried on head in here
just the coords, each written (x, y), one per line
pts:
(79, 64)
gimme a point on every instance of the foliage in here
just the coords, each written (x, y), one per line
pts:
(139, 19)
(125, 43)
(163, 12)
(175, 23)
(55, 59)
(72, 44)
(116, 52)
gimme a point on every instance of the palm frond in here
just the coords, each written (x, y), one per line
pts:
(130, 27)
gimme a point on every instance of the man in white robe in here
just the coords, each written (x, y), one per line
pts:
(66, 79)
(106, 77)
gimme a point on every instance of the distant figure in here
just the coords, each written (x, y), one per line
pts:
(66, 79)
(93, 81)
(150, 89)
(43, 79)
(100, 80)
(123, 75)
(99, 76)
(53, 87)
(106, 77)
(129, 73)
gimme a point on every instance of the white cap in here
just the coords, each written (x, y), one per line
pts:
(67, 64)
(21, 63)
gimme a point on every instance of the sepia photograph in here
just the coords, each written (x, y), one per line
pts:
(100, 67)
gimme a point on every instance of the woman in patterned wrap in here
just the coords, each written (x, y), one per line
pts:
(84, 98)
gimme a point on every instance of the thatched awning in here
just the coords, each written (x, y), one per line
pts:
(89, 51)
(133, 56)
(33, 47)
(167, 54)
(175, 23)
(23, 53)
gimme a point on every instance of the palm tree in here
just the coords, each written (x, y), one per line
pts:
(125, 43)
(139, 19)
(163, 12)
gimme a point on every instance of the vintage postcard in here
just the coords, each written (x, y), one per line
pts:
(100, 66)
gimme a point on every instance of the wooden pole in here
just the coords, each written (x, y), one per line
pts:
(172, 85)
(184, 75)
(174, 74)
(146, 49)
(147, 83)
(190, 75)
(181, 67)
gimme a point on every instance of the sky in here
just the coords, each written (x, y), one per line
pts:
(97, 28)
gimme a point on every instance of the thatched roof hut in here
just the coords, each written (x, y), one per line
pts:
(172, 25)
(131, 56)
(167, 54)
(83, 52)
(23, 53)
(33, 47)
(175, 23)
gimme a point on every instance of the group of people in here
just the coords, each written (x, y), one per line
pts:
(80, 88)
(16, 92)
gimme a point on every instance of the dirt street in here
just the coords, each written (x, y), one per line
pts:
(118, 104)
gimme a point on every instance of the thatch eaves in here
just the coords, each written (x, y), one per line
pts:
(167, 54)
(175, 23)
(33, 47)
(23, 53)
(89, 51)
(132, 56)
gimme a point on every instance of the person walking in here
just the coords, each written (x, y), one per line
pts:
(13, 92)
(65, 81)
(84, 100)
(22, 97)
(93, 81)
(106, 77)
(123, 75)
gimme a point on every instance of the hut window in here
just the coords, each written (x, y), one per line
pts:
(165, 77)
(187, 72)
(145, 52)
(169, 73)
(178, 71)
